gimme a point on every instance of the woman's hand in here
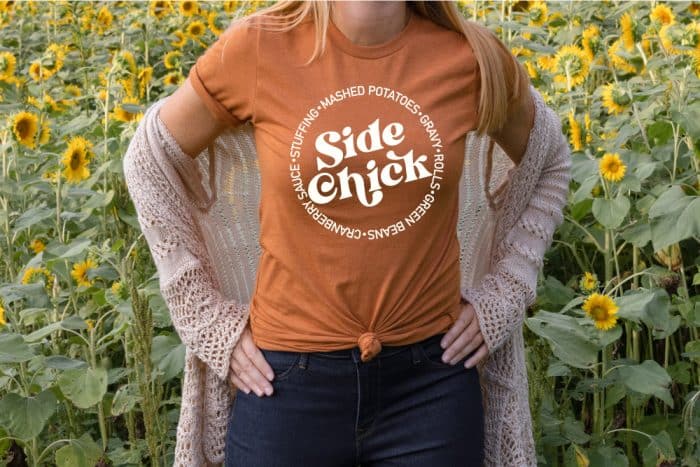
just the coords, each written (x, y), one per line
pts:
(249, 369)
(463, 338)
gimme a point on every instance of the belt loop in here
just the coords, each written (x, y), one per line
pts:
(303, 360)
(415, 352)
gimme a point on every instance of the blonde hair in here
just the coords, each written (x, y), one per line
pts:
(504, 80)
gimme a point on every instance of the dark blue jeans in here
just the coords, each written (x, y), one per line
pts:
(405, 407)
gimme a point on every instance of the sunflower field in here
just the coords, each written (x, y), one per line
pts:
(90, 365)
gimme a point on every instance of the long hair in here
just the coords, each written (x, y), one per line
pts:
(504, 80)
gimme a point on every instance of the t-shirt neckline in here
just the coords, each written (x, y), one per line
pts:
(372, 51)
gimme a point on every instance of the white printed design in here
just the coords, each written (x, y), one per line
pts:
(332, 150)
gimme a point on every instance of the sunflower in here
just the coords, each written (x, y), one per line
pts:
(662, 14)
(532, 70)
(104, 20)
(160, 8)
(25, 126)
(7, 65)
(212, 19)
(615, 100)
(37, 72)
(670, 35)
(611, 167)
(37, 245)
(571, 65)
(76, 159)
(119, 290)
(546, 62)
(602, 310)
(575, 129)
(181, 39)
(145, 75)
(90, 323)
(629, 31)
(50, 176)
(71, 90)
(50, 103)
(173, 78)
(538, 13)
(172, 59)
(694, 8)
(196, 28)
(618, 62)
(691, 36)
(587, 125)
(124, 59)
(123, 115)
(589, 281)
(80, 271)
(231, 6)
(54, 58)
(188, 7)
(3, 322)
(7, 6)
(128, 84)
(591, 41)
(32, 272)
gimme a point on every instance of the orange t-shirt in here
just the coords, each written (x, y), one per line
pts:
(360, 155)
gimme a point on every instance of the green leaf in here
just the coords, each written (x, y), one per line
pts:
(638, 234)
(660, 132)
(689, 119)
(692, 351)
(124, 400)
(81, 452)
(611, 212)
(584, 191)
(43, 332)
(670, 201)
(648, 378)
(98, 200)
(13, 349)
(659, 450)
(33, 216)
(567, 338)
(71, 250)
(168, 355)
(84, 387)
(650, 306)
(26, 417)
(59, 362)
(667, 230)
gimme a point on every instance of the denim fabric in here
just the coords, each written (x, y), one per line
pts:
(405, 407)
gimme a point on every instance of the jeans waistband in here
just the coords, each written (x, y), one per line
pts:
(386, 351)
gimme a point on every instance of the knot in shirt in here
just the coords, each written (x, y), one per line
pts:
(369, 345)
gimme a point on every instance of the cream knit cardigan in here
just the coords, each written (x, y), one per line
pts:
(199, 218)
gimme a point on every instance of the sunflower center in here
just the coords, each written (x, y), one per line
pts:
(75, 161)
(23, 128)
(599, 313)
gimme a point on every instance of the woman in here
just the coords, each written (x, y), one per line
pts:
(360, 348)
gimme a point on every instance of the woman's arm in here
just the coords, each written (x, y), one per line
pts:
(515, 134)
(155, 169)
(189, 120)
(501, 299)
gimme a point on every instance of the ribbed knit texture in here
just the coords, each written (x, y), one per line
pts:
(199, 218)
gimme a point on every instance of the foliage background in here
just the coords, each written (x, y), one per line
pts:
(90, 366)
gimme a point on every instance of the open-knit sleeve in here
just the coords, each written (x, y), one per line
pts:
(156, 172)
(502, 297)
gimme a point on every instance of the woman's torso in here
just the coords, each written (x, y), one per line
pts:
(360, 155)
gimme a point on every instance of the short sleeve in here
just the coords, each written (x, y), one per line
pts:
(225, 75)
